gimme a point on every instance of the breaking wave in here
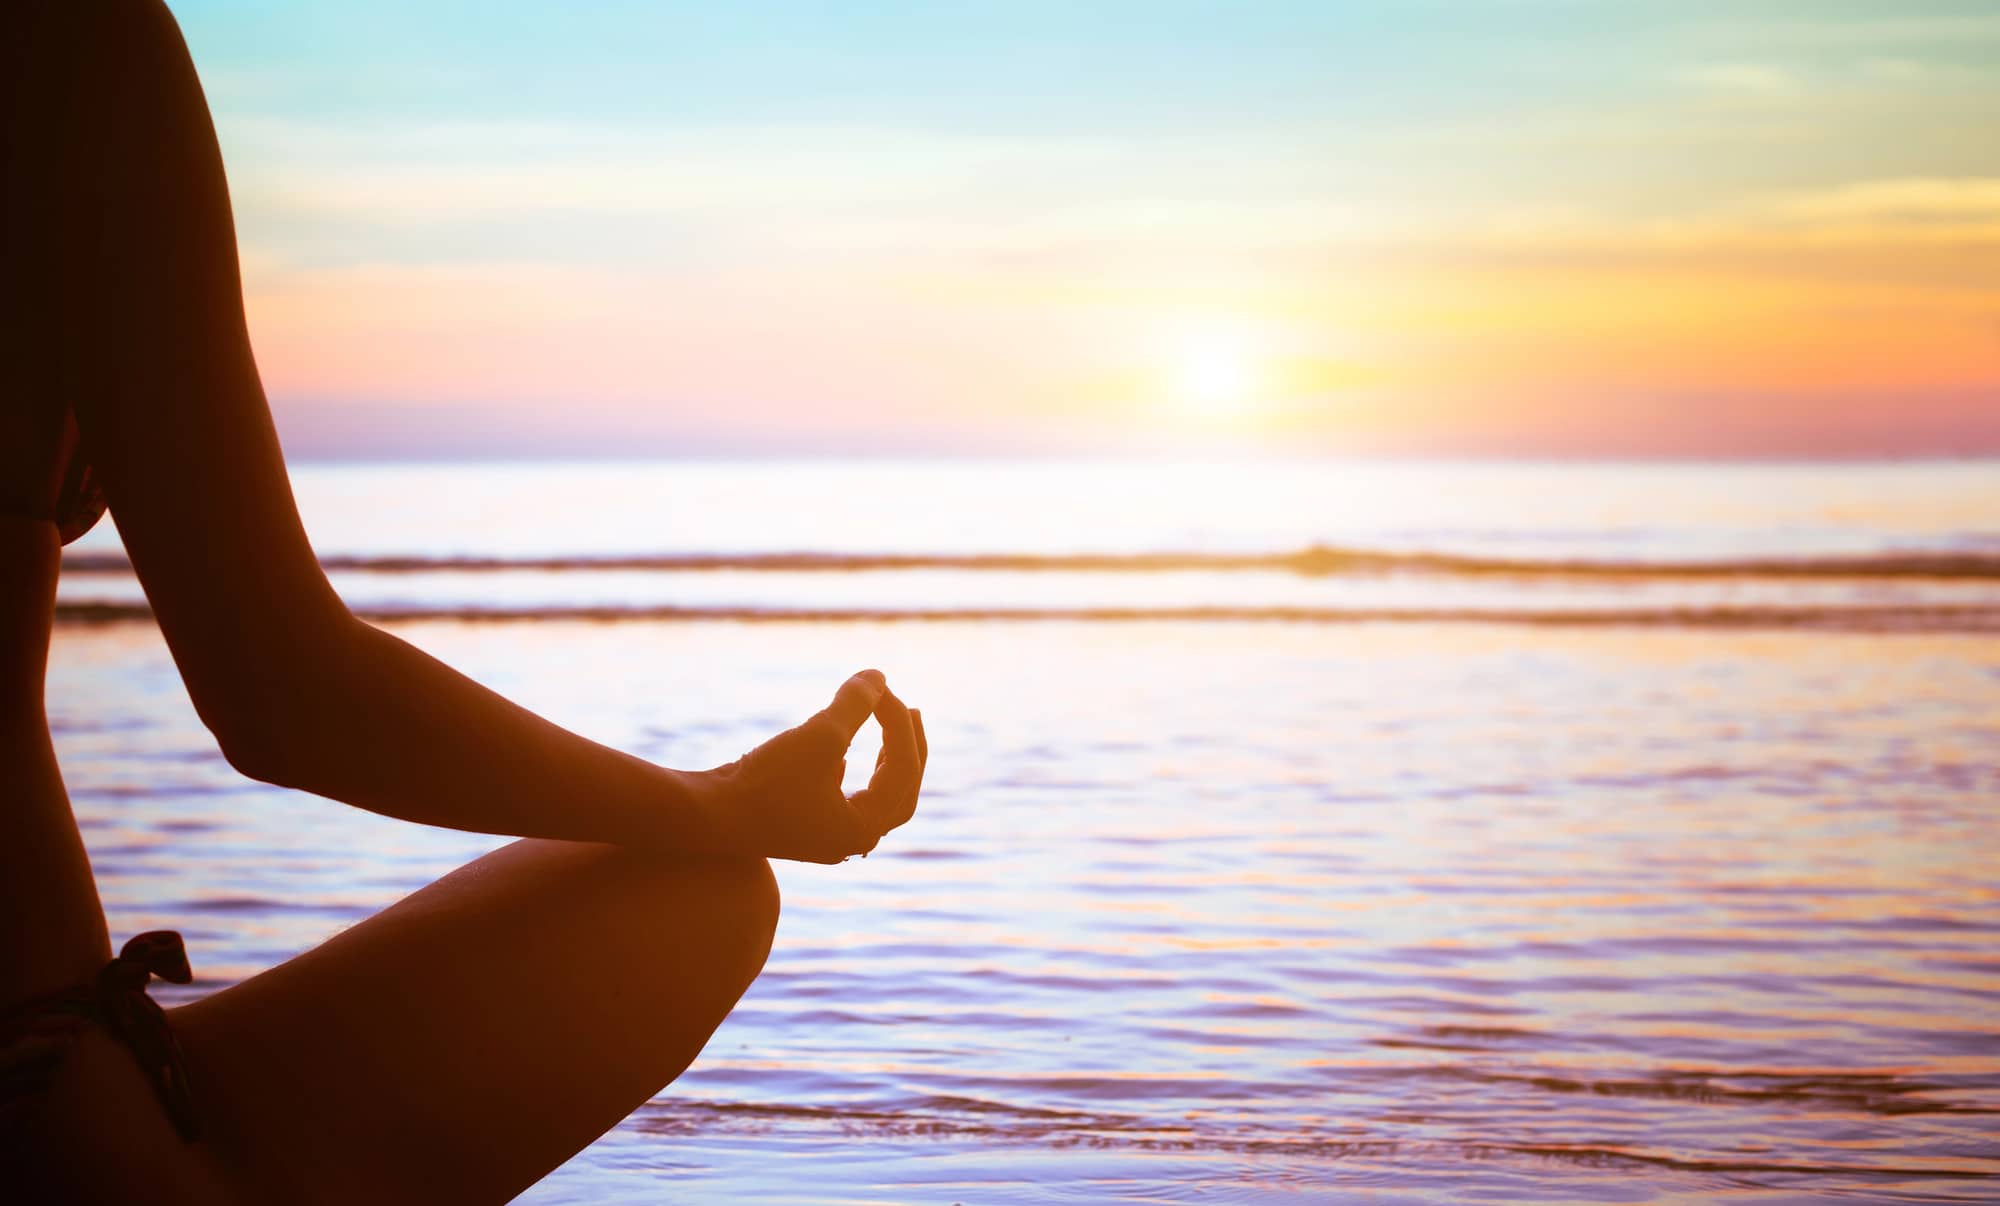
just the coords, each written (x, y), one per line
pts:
(1313, 561)
(1960, 619)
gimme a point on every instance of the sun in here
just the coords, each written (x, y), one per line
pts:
(1217, 375)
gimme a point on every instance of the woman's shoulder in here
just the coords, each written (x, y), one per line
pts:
(74, 42)
(54, 15)
(109, 78)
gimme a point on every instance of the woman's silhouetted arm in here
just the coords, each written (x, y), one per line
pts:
(144, 310)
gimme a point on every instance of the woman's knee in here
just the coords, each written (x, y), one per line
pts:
(731, 905)
(743, 895)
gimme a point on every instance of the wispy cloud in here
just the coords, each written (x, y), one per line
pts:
(1753, 81)
(1952, 207)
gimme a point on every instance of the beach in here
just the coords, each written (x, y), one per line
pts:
(1569, 882)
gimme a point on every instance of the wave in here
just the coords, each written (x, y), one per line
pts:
(1313, 561)
(1972, 618)
(996, 1124)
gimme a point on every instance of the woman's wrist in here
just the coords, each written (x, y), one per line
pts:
(702, 821)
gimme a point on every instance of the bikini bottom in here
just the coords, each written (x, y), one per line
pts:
(35, 1035)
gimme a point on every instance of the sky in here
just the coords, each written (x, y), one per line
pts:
(1482, 228)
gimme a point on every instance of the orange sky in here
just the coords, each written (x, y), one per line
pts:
(1769, 233)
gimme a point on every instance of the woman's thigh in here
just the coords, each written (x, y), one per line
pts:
(462, 1043)
(95, 1133)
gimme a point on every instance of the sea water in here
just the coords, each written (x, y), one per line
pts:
(1293, 832)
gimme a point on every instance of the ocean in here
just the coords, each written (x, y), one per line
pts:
(1294, 831)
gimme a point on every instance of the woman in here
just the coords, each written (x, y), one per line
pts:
(462, 1043)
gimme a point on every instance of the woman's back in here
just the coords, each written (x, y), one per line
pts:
(43, 474)
(51, 929)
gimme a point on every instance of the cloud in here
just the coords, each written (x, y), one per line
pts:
(1924, 203)
(1879, 214)
(1898, 71)
(423, 171)
(312, 195)
(1745, 81)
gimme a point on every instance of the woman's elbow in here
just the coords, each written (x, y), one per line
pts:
(270, 716)
(252, 742)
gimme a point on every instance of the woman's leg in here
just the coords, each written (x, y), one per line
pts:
(462, 1043)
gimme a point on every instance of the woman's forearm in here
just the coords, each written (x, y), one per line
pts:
(365, 718)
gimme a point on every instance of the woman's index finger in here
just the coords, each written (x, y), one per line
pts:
(855, 702)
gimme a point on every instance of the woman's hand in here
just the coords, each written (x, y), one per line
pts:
(784, 799)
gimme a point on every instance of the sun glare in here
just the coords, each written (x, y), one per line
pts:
(1217, 376)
